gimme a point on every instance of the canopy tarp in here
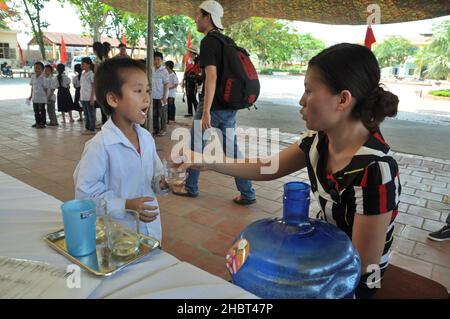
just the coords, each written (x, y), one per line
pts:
(323, 11)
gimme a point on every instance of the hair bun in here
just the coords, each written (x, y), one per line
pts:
(388, 102)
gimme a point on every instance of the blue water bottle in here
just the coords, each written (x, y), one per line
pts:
(295, 256)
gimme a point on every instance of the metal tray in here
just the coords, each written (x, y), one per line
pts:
(102, 262)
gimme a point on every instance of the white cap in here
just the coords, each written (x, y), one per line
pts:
(215, 10)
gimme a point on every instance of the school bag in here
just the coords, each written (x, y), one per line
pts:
(239, 84)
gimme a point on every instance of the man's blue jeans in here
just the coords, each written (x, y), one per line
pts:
(220, 120)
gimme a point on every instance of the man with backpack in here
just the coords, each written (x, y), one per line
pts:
(228, 87)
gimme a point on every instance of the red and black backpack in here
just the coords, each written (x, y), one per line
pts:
(239, 84)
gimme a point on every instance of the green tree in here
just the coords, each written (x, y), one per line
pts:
(437, 53)
(93, 15)
(6, 13)
(394, 51)
(171, 32)
(306, 46)
(135, 29)
(114, 25)
(269, 39)
(33, 10)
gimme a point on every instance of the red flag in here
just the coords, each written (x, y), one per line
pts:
(370, 37)
(188, 45)
(63, 51)
(22, 61)
(124, 39)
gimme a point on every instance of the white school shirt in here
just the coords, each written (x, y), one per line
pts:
(159, 78)
(112, 169)
(76, 82)
(38, 84)
(65, 81)
(49, 86)
(173, 79)
(86, 81)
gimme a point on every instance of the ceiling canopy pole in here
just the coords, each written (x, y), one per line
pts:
(150, 26)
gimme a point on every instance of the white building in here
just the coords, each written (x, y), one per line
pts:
(9, 51)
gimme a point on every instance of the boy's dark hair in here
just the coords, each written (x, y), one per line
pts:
(121, 45)
(48, 66)
(170, 64)
(355, 68)
(40, 63)
(99, 50)
(108, 79)
(157, 54)
(87, 60)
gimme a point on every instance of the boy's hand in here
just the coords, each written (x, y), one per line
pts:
(29, 98)
(92, 103)
(138, 205)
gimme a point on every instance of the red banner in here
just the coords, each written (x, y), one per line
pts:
(22, 61)
(188, 45)
(124, 39)
(63, 51)
(370, 38)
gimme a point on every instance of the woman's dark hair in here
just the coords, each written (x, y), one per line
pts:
(60, 68)
(78, 70)
(99, 50)
(170, 64)
(106, 49)
(354, 68)
(109, 79)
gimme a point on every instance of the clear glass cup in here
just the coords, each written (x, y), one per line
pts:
(122, 233)
(176, 179)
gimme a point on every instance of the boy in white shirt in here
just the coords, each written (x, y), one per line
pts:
(38, 95)
(51, 97)
(120, 164)
(87, 95)
(173, 84)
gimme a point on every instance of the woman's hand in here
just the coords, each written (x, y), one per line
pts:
(191, 161)
(144, 211)
(163, 183)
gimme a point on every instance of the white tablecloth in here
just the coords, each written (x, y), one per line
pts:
(27, 214)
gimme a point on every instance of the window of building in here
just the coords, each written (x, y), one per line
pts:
(4, 51)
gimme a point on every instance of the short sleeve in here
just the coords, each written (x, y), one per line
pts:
(379, 190)
(208, 51)
(306, 139)
(166, 77)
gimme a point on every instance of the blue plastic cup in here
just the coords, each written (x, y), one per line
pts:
(79, 226)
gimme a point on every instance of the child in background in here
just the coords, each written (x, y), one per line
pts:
(51, 97)
(120, 164)
(77, 86)
(173, 84)
(65, 102)
(87, 95)
(38, 96)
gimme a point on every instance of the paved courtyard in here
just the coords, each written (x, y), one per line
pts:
(201, 230)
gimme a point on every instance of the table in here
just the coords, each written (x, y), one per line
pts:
(27, 214)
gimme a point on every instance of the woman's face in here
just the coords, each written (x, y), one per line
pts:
(319, 104)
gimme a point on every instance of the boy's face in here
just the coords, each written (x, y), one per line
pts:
(134, 104)
(47, 72)
(157, 61)
(84, 66)
(38, 69)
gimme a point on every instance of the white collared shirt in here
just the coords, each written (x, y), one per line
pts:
(38, 84)
(87, 82)
(49, 86)
(112, 169)
(159, 78)
(173, 79)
